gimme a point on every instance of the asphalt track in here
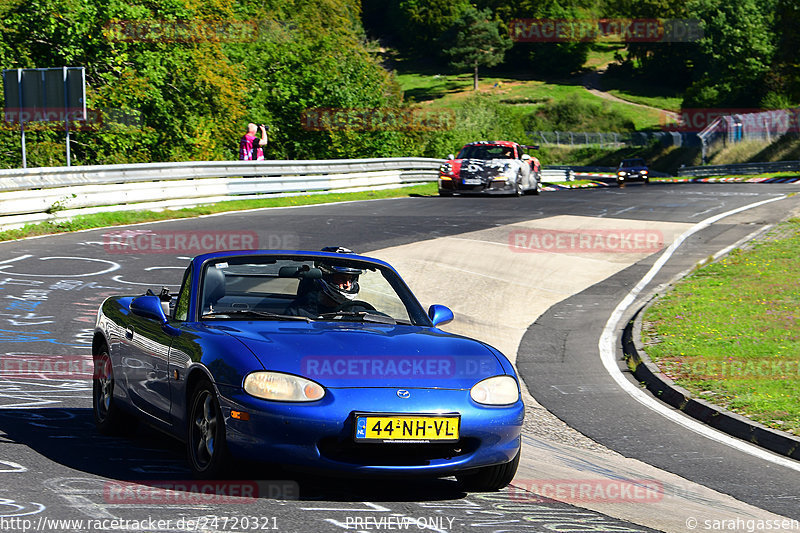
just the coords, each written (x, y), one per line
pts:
(55, 466)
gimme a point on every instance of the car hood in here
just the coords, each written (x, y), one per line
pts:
(481, 166)
(367, 355)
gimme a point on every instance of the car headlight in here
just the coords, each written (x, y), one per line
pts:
(282, 387)
(621, 173)
(643, 172)
(498, 390)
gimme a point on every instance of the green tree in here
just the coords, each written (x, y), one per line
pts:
(545, 58)
(783, 81)
(476, 40)
(671, 63)
(193, 95)
(734, 54)
(415, 26)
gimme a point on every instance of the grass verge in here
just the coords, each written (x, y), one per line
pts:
(120, 218)
(729, 333)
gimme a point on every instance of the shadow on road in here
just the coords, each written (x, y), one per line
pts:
(68, 437)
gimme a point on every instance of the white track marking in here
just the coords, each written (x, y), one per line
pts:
(607, 347)
(13, 259)
(119, 279)
(113, 266)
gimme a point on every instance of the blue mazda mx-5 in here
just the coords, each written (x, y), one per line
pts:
(308, 359)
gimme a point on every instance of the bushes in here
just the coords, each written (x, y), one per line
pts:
(576, 113)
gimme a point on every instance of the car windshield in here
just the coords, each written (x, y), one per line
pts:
(486, 151)
(305, 288)
(628, 163)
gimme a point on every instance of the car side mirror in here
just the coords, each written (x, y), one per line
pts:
(526, 157)
(450, 157)
(440, 315)
(150, 307)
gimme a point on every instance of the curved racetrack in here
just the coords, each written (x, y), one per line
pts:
(547, 310)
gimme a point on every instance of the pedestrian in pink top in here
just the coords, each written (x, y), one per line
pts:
(249, 149)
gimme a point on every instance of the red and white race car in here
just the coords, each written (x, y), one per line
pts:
(490, 167)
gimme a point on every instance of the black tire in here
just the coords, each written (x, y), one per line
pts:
(538, 188)
(445, 193)
(518, 190)
(489, 478)
(645, 181)
(621, 184)
(107, 415)
(205, 443)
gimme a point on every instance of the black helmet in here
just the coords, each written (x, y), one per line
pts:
(339, 283)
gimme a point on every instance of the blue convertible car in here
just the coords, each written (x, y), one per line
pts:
(308, 359)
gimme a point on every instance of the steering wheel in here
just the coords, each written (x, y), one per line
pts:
(348, 306)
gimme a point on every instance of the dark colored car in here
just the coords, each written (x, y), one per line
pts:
(490, 167)
(634, 169)
(321, 360)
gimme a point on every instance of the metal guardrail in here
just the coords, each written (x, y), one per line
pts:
(740, 168)
(607, 170)
(593, 172)
(554, 175)
(37, 194)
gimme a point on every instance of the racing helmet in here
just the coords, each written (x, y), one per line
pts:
(339, 282)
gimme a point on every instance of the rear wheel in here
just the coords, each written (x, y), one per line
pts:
(205, 445)
(538, 186)
(489, 478)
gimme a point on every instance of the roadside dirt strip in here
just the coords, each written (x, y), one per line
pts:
(498, 281)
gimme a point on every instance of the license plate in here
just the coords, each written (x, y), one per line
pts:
(472, 181)
(407, 428)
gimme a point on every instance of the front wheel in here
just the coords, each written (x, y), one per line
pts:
(205, 445)
(489, 478)
(518, 190)
(538, 186)
(106, 413)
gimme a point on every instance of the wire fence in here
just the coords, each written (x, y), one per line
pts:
(766, 126)
(571, 138)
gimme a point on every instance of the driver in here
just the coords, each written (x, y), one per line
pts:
(335, 291)
(339, 284)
